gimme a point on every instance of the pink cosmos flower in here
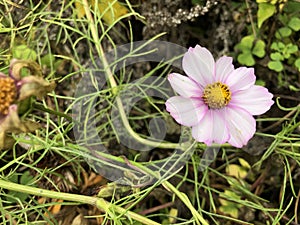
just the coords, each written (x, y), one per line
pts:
(216, 100)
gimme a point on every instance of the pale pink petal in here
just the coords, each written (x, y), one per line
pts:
(224, 67)
(202, 132)
(220, 132)
(240, 79)
(241, 126)
(212, 128)
(186, 111)
(256, 100)
(184, 85)
(199, 64)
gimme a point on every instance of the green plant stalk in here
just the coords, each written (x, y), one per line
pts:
(184, 198)
(114, 87)
(100, 203)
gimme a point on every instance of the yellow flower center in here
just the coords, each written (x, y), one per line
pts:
(8, 94)
(216, 95)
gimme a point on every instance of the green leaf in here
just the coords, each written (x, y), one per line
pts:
(260, 83)
(293, 88)
(283, 32)
(290, 48)
(236, 171)
(259, 49)
(278, 46)
(26, 178)
(246, 58)
(246, 43)
(230, 210)
(294, 23)
(265, 11)
(297, 64)
(23, 52)
(197, 2)
(276, 56)
(275, 65)
(47, 60)
(267, 1)
(244, 163)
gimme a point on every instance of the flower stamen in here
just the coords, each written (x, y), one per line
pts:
(8, 94)
(216, 95)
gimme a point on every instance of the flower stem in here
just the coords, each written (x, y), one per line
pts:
(114, 86)
(184, 198)
(100, 203)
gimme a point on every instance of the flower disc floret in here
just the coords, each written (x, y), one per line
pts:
(216, 95)
(8, 94)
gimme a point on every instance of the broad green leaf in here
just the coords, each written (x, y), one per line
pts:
(297, 64)
(23, 52)
(275, 65)
(273, 2)
(265, 11)
(259, 49)
(278, 46)
(276, 56)
(26, 178)
(246, 43)
(260, 82)
(246, 58)
(294, 23)
(291, 48)
(230, 210)
(110, 10)
(283, 32)
(47, 60)
(236, 171)
(244, 163)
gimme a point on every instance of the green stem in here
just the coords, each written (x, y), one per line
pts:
(184, 198)
(126, 124)
(44, 109)
(46, 193)
(100, 203)
(114, 86)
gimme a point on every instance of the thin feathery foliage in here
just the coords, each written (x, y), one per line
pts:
(66, 163)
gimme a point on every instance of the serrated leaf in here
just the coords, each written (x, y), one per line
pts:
(275, 65)
(283, 32)
(246, 58)
(259, 49)
(276, 56)
(294, 23)
(265, 11)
